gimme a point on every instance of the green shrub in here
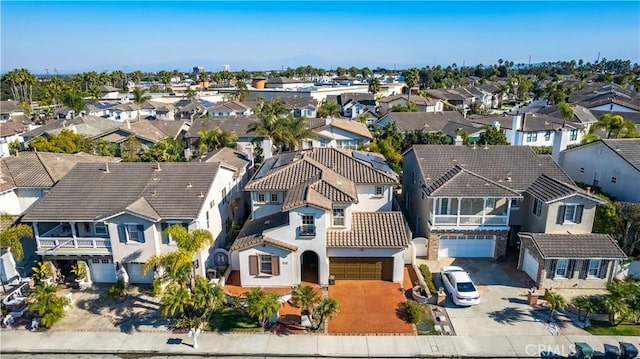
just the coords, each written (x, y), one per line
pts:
(414, 309)
(428, 278)
(117, 290)
(156, 287)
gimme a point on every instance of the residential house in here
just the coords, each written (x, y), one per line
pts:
(338, 133)
(301, 106)
(109, 92)
(474, 202)
(11, 110)
(229, 108)
(319, 213)
(581, 115)
(484, 97)
(459, 98)
(423, 104)
(449, 123)
(346, 80)
(282, 83)
(247, 142)
(613, 165)
(354, 104)
(10, 132)
(26, 177)
(112, 216)
(191, 110)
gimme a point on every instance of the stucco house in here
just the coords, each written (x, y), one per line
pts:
(338, 133)
(319, 213)
(449, 123)
(611, 164)
(473, 201)
(112, 216)
(423, 104)
(301, 106)
(229, 108)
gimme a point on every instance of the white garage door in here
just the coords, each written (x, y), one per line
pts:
(460, 246)
(530, 265)
(135, 274)
(102, 271)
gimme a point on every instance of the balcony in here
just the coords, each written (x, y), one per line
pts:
(468, 213)
(475, 221)
(307, 231)
(70, 238)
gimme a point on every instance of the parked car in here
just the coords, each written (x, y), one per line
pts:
(460, 286)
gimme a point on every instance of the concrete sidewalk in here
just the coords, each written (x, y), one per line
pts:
(59, 342)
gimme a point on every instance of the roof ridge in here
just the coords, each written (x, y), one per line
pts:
(44, 165)
(365, 163)
(485, 179)
(456, 169)
(278, 170)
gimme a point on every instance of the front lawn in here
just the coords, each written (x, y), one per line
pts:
(229, 319)
(604, 328)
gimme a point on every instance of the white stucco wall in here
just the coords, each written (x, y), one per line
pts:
(369, 202)
(9, 203)
(615, 108)
(288, 265)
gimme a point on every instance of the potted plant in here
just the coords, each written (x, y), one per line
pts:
(420, 293)
(80, 271)
(42, 272)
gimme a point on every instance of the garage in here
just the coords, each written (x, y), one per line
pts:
(467, 246)
(102, 271)
(358, 268)
(530, 265)
(135, 274)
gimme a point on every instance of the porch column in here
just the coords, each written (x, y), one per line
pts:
(73, 234)
(508, 210)
(36, 232)
(484, 209)
(459, 200)
(433, 213)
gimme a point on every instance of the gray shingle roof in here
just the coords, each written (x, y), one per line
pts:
(237, 124)
(88, 192)
(372, 230)
(496, 163)
(248, 242)
(426, 121)
(627, 148)
(228, 156)
(251, 233)
(461, 182)
(549, 189)
(587, 245)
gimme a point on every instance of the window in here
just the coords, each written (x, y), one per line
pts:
(379, 191)
(274, 198)
(570, 213)
(211, 204)
(614, 180)
(596, 178)
(515, 203)
(547, 135)
(581, 169)
(224, 195)
(443, 206)
(532, 136)
(308, 220)
(100, 228)
(260, 197)
(338, 217)
(134, 233)
(573, 135)
(537, 207)
(561, 268)
(265, 264)
(594, 268)
(490, 203)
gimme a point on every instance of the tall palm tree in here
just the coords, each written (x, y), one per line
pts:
(616, 126)
(556, 301)
(140, 97)
(296, 131)
(215, 138)
(305, 297)
(75, 102)
(412, 76)
(11, 235)
(262, 306)
(175, 300)
(329, 109)
(566, 111)
(326, 308)
(374, 86)
(47, 304)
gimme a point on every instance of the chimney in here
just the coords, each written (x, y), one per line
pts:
(128, 124)
(327, 120)
(560, 142)
(496, 125)
(588, 190)
(458, 140)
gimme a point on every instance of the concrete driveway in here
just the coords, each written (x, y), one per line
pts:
(503, 304)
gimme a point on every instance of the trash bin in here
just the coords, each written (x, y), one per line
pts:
(583, 351)
(611, 352)
(628, 351)
(332, 280)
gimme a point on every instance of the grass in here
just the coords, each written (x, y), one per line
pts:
(604, 328)
(228, 319)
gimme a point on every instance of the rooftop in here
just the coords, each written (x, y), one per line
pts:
(372, 230)
(586, 245)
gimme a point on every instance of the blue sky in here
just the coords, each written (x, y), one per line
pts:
(153, 35)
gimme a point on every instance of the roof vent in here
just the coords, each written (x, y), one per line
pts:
(486, 147)
(201, 194)
(106, 167)
(475, 147)
(158, 166)
(154, 193)
(189, 185)
(508, 178)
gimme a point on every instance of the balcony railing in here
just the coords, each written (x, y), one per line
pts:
(46, 243)
(307, 231)
(464, 220)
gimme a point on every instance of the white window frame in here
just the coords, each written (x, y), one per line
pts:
(490, 203)
(573, 135)
(264, 264)
(557, 274)
(379, 189)
(532, 137)
(277, 196)
(537, 207)
(264, 197)
(574, 208)
(97, 224)
(597, 268)
(439, 206)
(127, 232)
(337, 215)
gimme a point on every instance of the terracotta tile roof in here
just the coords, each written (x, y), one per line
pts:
(372, 230)
(549, 189)
(586, 245)
(427, 121)
(10, 106)
(496, 163)
(88, 192)
(315, 123)
(461, 182)
(418, 100)
(171, 128)
(12, 127)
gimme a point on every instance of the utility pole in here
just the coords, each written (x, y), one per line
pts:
(529, 60)
(598, 60)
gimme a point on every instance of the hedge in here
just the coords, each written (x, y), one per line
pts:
(428, 278)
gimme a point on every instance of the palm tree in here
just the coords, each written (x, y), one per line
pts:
(140, 97)
(615, 125)
(586, 304)
(47, 304)
(262, 306)
(305, 297)
(411, 79)
(296, 131)
(75, 102)
(205, 297)
(329, 109)
(327, 308)
(556, 301)
(175, 300)
(215, 138)
(566, 111)
(374, 86)
(11, 235)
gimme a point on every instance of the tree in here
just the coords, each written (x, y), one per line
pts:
(130, 149)
(328, 109)
(566, 111)
(66, 141)
(215, 138)
(411, 78)
(408, 107)
(556, 301)
(616, 126)
(327, 308)
(305, 297)
(12, 234)
(75, 102)
(175, 300)
(50, 307)
(629, 218)
(623, 300)
(140, 97)
(242, 91)
(205, 297)
(374, 86)
(296, 131)
(262, 305)
(166, 150)
(492, 136)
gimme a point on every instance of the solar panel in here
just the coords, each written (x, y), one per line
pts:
(373, 160)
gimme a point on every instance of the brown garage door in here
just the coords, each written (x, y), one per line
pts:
(356, 268)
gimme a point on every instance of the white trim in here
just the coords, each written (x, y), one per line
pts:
(95, 228)
(575, 209)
